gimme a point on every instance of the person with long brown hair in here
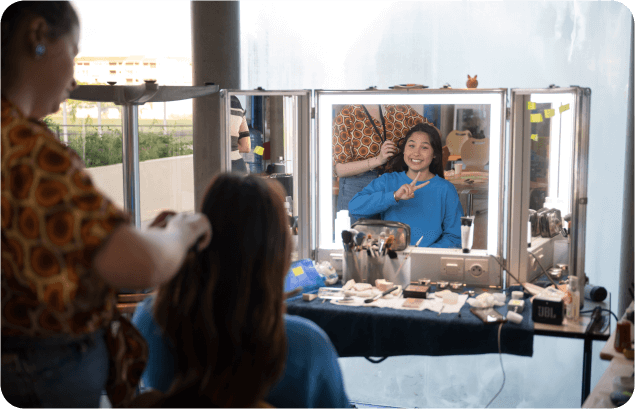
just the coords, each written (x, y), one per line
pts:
(217, 332)
(416, 194)
(66, 248)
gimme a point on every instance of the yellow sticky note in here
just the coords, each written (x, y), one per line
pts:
(298, 271)
(535, 118)
(534, 137)
(259, 150)
(531, 105)
(549, 113)
(564, 108)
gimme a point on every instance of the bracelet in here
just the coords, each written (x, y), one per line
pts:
(394, 195)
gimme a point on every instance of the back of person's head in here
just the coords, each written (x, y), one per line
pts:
(436, 167)
(223, 311)
(59, 16)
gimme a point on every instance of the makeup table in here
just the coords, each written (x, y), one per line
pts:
(383, 332)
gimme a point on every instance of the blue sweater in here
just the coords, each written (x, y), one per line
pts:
(311, 378)
(434, 213)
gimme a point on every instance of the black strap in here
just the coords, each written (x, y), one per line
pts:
(372, 121)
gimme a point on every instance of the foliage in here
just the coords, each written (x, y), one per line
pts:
(107, 149)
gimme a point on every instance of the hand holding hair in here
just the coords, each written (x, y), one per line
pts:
(195, 229)
(388, 150)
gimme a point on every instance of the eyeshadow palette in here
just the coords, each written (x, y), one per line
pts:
(412, 303)
(416, 291)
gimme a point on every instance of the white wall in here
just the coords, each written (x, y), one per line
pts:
(353, 45)
(165, 184)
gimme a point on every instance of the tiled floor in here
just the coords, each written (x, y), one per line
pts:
(549, 379)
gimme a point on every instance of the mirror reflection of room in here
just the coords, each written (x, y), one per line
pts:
(263, 135)
(360, 154)
(548, 120)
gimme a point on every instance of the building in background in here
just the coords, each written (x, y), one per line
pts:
(134, 70)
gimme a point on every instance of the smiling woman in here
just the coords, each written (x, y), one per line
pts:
(416, 193)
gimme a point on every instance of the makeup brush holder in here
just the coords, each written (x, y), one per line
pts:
(383, 267)
(354, 266)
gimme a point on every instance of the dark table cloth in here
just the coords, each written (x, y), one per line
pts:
(381, 332)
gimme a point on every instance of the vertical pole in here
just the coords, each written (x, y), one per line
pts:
(131, 162)
(64, 123)
(215, 59)
(625, 295)
(165, 118)
(99, 118)
(84, 140)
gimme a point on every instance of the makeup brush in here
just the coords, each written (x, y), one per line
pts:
(369, 300)
(408, 255)
(382, 243)
(392, 254)
(359, 238)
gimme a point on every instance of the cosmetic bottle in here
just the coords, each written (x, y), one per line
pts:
(573, 307)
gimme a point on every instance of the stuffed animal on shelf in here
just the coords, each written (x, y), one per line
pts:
(471, 82)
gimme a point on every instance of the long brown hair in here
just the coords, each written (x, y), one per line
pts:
(397, 163)
(223, 311)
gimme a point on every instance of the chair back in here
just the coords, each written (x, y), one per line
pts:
(455, 141)
(475, 154)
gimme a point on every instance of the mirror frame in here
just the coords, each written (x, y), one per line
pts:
(519, 181)
(500, 94)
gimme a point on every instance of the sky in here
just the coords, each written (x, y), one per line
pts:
(122, 28)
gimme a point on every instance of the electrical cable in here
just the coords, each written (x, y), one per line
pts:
(543, 270)
(608, 322)
(500, 356)
(507, 271)
(601, 309)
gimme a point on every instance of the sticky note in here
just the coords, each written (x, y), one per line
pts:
(259, 150)
(564, 108)
(534, 137)
(531, 105)
(298, 271)
(549, 113)
(536, 118)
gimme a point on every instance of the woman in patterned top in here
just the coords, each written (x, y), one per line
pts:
(66, 248)
(365, 137)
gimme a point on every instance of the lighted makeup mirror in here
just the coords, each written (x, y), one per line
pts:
(480, 116)
(550, 131)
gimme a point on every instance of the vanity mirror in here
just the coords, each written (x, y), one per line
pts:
(472, 122)
(279, 126)
(550, 130)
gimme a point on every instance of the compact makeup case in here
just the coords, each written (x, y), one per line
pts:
(400, 231)
(550, 221)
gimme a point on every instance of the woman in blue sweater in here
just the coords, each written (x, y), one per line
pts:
(419, 195)
(217, 332)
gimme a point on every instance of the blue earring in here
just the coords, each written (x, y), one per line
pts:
(40, 50)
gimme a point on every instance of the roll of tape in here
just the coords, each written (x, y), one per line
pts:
(517, 295)
(514, 317)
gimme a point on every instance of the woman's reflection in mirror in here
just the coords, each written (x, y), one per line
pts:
(365, 137)
(416, 192)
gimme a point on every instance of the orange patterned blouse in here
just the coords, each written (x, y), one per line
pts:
(53, 222)
(355, 137)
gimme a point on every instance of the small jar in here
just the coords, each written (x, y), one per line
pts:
(456, 285)
(555, 273)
